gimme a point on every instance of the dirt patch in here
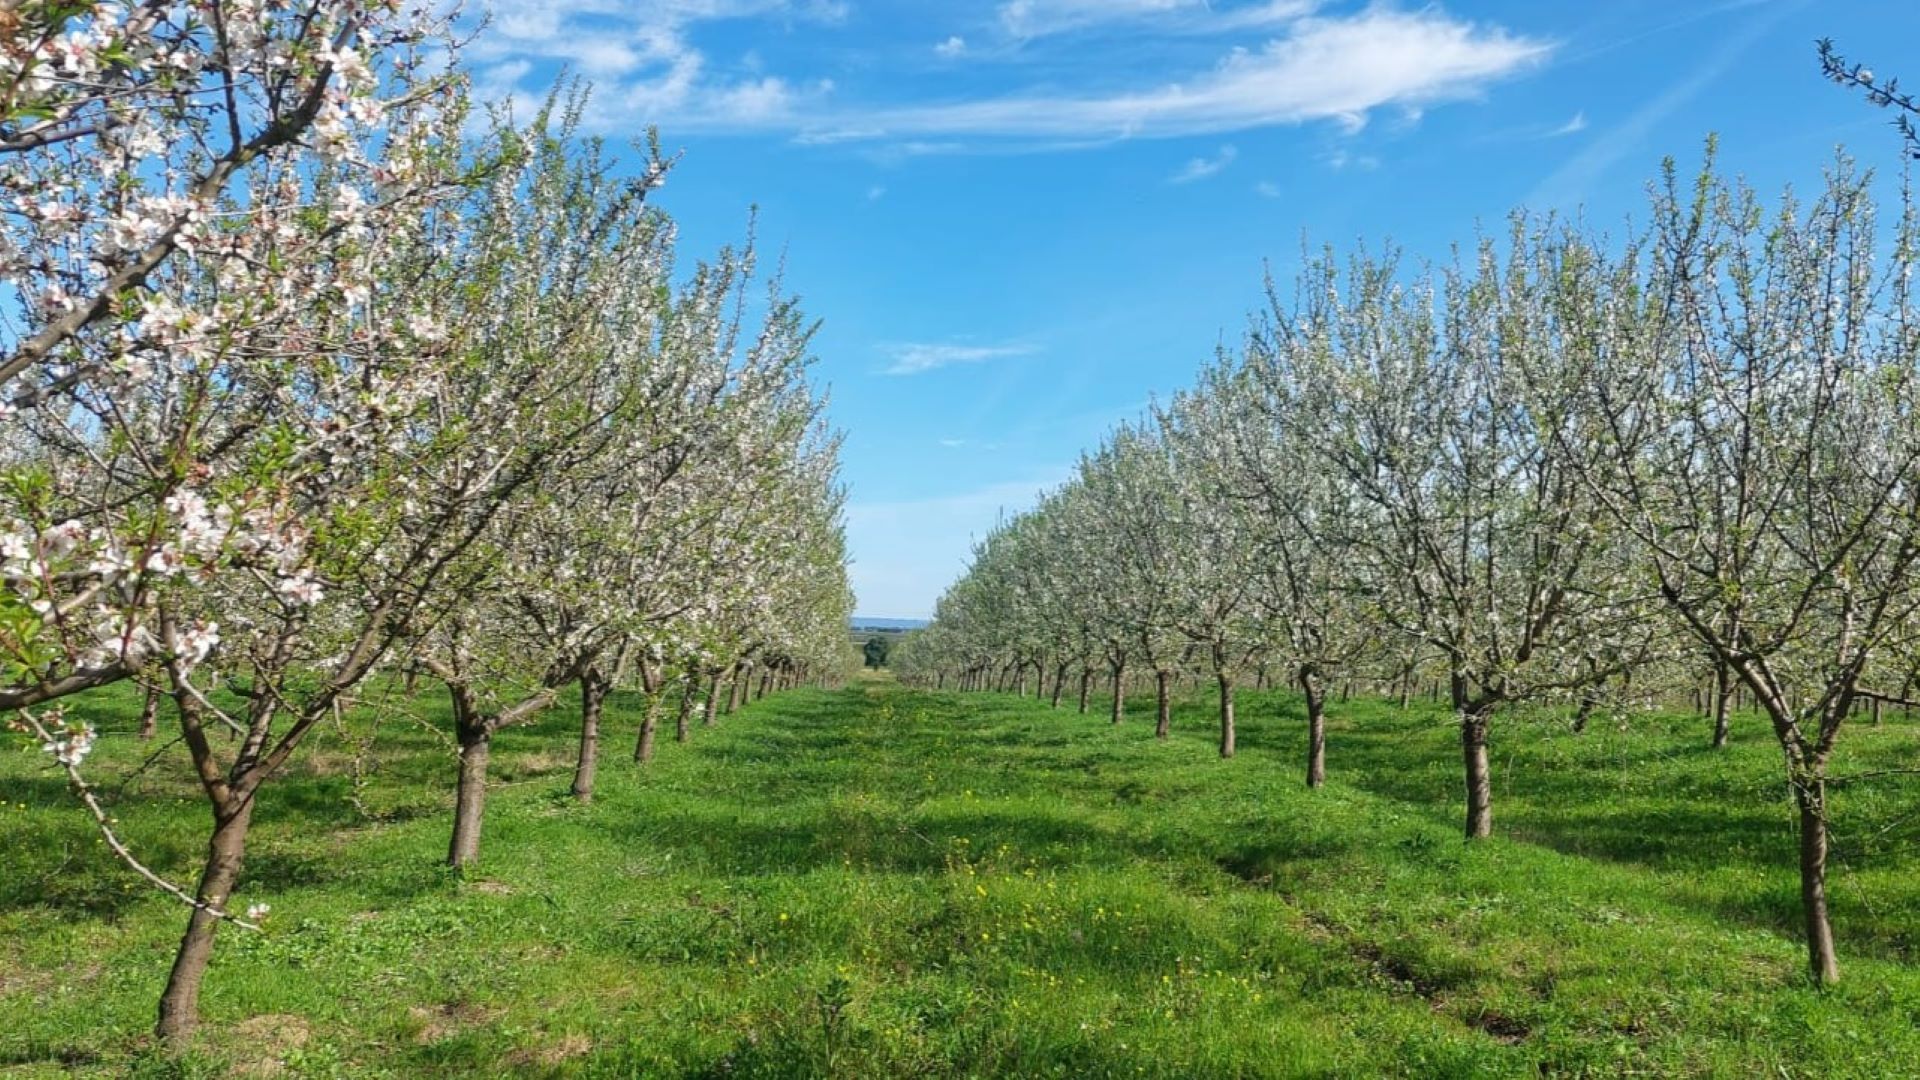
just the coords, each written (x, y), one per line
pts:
(261, 1043)
(451, 1018)
(1506, 1029)
(1251, 869)
(17, 978)
(550, 1054)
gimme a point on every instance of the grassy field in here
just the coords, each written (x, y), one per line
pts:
(878, 882)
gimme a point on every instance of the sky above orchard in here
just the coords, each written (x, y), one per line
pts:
(1022, 220)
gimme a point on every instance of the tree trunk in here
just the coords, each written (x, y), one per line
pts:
(150, 712)
(180, 1002)
(649, 728)
(1226, 714)
(1163, 704)
(711, 715)
(689, 690)
(1059, 684)
(470, 801)
(1473, 749)
(1811, 795)
(737, 690)
(1086, 688)
(1119, 692)
(593, 697)
(1316, 728)
(1722, 678)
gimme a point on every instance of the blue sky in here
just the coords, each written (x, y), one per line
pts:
(1022, 219)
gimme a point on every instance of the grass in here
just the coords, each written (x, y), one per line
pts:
(879, 882)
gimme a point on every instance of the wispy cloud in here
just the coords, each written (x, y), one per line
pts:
(952, 47)
(1341, 160)
(1201, 168)
(1571, 181)
(914, 358)
(1573, 126)
(639, 55)
(1325, 68)
(1267, 189)
(1038, 18)
(1312, 67)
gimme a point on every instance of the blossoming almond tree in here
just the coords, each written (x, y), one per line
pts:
(1215, 586)
(1479, 538)
(1295, 517)
(564, 292)
(1762, 441)
(215, 219)
(1130, 490)
(179, 184)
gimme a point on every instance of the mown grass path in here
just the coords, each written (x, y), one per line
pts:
(877, 882)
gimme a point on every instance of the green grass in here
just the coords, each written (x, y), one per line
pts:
(879, 882)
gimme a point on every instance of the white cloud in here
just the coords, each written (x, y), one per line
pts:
(1342, 160)
(952, 47)
(1267, 189)
(1324, 69)
(876, 192)
(1337, 68)
(638, 55)
(914, 358)
(1201, 168)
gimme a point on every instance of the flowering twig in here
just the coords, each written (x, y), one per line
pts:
(70, 749)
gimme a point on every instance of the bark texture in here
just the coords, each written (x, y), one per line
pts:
(180, 1001)
(1227, 733)
(1316, 696)
(594, 689)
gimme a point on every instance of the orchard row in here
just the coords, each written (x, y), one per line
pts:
(315, 379)
(1562, 472)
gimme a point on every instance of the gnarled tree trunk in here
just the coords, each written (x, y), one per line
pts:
(649, 729)
(1119, 692)
(594, 689)
(1163, 704)
(1227, 734)
(1810, 793)
(1474, 722)
(1722, 685)
(1316, 726)
(475, 737)
(150, 712)
(180, 1002)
